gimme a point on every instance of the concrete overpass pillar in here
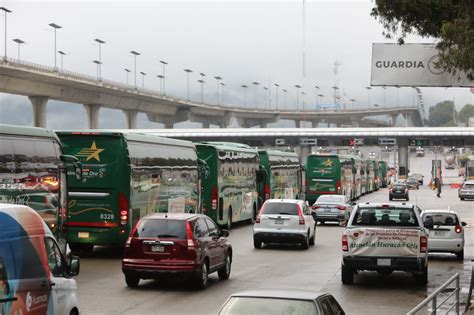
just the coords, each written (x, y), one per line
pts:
(39, 110)
(131, 116)
(222, 125)
(315, 124)
(169, 125)
(393, 120)
(355, 123)
(297, 123)
(262, 125)
(304, 152)
(403, 166)
(409, 120)
(92, 111)
(206, 125)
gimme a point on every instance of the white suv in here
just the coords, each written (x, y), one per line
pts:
(284, 221)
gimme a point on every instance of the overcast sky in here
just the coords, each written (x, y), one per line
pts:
(241, 41)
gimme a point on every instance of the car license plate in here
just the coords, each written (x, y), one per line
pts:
(439, 233)
(384, 262)
(83, 234)
(278, 221)
(157, 248)
(327, 209)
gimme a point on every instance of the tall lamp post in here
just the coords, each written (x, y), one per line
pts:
(255, 83)
(6, 13)
(143, 78)
(384, 88)
(277, 86)
(55, 27)
(368, 96)
(298, 87)
(98, 63)
(61, 55)
(188, 71)
(202, 86)
(303, 93)
(218, 78)
(352, 102)
(222, 93)
(19, 42)
(317, 94)
(398, 95)
(335, 94)
(127, 71)
(100, 42)
(161, 77)
(266, 95)
(284, 97)
(135, 54)
(163, 63)
(245, 91)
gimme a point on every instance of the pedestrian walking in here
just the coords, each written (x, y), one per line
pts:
(438, 187)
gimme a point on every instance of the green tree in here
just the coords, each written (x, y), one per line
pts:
(449, 21)
(465, 113)
(441, 114)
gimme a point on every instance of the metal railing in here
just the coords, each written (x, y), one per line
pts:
(469, 295)
(433, 298)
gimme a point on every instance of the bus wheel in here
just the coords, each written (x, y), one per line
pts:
(229, 219)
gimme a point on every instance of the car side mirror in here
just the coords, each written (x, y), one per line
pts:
(74, 266)
(353, 203)
(76, 164)
(224, 233)
(428, 225)
(463, 223)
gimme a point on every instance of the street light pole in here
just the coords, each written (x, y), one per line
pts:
(188, 71)
(398, 95)
(161, 82)
(255, 83)
(266, 94)
(245, 90)
(222, 93)
(100, 42)
(284, 97)
(384, 88)
(368, 96)
(303, 93)
(55, 27)
(218, 78)
(298, 87)
(19, 42)
(352, 102)
(6, 13)
(335, 94)
(202, 86)
(164, 63)
(98, 63)
(317, 94)
(127, 71)
(143, 78)
(61, 54)
(135, 54)
(277, 86)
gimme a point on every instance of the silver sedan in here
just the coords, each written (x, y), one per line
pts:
(332, 208)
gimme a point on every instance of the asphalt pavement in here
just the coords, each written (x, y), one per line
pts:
(102, 289)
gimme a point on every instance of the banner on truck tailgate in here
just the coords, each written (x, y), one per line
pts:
(383, 242)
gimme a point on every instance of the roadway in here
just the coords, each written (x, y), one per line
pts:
(102, 290)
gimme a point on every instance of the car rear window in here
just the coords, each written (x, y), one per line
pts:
(165, 228)
(468, 186)
(382, 216)
(447, 219)
(280, 208)
(333, 199)
(399, 186)
(267, 306)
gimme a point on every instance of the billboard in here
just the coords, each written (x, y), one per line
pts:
(411, 65)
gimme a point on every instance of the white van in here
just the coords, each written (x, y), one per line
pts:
(35, 277)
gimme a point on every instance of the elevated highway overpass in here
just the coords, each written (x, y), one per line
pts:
(42, 83)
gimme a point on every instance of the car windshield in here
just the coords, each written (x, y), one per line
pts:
(331, 199)
(280, 208)
(440, 218)
(385, 216)
(267, 306)
(155, 228)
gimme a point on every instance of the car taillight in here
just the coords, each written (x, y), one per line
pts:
(123, 209)
(300, 214)
(257, 220)
(423, 244)
(214, 198)
(338, 185)
(267, 192)
(458, 228)
(345, 244)
(189, 236)
(341, 207)
(315, 207)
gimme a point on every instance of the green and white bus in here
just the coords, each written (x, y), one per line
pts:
(364, 177)
(229, 192)
(377, 182)
(384, 178)
(328, 174)
(126, 176)
(370, 176)
(357, 177)
(282, 176)
(32, 173)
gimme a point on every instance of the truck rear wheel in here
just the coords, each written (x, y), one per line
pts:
(347, 275)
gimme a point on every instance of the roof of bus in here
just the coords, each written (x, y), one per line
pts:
(228, 146)
(129, 135)
(27, 131)
(280, 153)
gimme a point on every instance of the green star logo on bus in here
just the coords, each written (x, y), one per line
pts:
(91, 153)
(327, 163)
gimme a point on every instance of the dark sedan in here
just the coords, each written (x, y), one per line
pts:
(399, 191)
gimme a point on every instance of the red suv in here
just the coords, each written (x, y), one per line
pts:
(176, 243)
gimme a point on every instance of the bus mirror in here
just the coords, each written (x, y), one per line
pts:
(203, 168)
(76, 163)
